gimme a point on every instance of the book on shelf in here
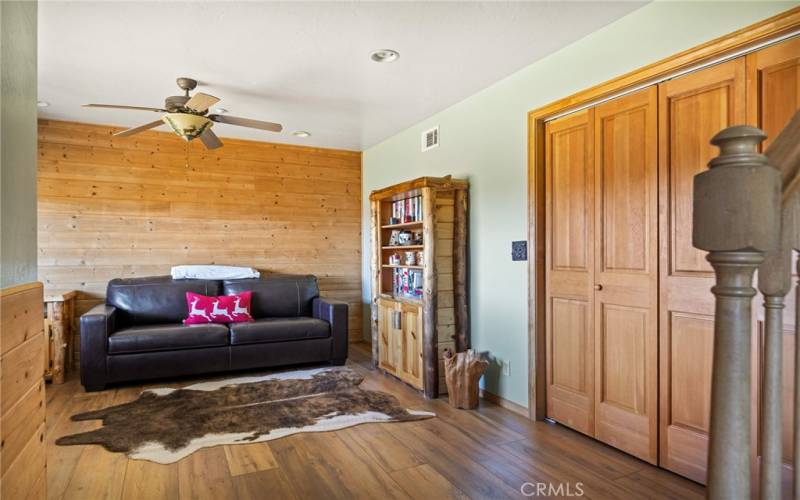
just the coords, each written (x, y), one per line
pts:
(408, 209)
(407, 283)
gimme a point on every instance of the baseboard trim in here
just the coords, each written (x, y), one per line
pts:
(504, 403)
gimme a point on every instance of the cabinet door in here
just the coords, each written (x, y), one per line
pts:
(410, 363)
(387, 336)
(773, 96)
(626, 273)
(569, 268)
(692, 109)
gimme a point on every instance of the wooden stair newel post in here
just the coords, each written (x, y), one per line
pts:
(774, 282)
(736, 219)
(796, 423)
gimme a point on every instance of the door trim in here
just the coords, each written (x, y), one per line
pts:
(739, 42)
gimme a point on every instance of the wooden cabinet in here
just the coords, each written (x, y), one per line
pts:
(629, 314)
(22, 412)
(400, 339)
(692, 108)
(419, 278)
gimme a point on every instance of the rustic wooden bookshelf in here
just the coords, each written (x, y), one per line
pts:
(419, 308)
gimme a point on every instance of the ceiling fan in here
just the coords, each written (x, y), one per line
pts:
(188, 116)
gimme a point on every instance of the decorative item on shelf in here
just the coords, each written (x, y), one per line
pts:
(420, 258)
(462, 372)
(416, 238)
(394, 220)
(394, 238)
(394, 259)
(411, 258)
(404, 238)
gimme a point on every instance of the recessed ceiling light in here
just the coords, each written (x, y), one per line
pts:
(42, 104)
(220, 111)
(301, 133)
(385, 55)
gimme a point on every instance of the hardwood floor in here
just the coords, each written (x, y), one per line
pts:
(487, 453)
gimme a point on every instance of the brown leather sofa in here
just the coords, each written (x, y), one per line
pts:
(138, 333)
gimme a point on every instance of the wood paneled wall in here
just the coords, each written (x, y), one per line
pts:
(124, 207)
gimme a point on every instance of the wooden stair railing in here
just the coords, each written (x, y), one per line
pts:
(747, 216)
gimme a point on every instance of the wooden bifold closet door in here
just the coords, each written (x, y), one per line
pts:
(601, 261)
(692, 108)
(626, 273)
(629, 313)
(570, 270)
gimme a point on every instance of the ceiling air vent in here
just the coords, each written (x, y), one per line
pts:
(430, 139)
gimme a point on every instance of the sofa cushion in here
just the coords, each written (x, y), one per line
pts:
(279, 330)
(221, 309)
(149, 338)
(155, 300)
(277, 295)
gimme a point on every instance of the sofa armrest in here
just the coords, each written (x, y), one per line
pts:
(96, 325)
(335, 313)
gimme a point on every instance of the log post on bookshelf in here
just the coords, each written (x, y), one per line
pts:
(375, 269)
(419, 278)
(429, 300)
(460, 270)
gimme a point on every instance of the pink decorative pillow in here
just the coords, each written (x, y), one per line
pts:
(223, 309)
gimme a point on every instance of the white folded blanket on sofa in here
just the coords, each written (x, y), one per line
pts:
(202, 272)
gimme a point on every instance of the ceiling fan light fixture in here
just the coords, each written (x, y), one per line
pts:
(384, 55)
(42, 104)
(186, 125)
(301, 133)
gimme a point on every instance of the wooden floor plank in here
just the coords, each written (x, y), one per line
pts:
(62, 460)
(381, 447)
(247, 458)
(204, 475)
(144, 479)
(259, 485)
(484, 453)
(423, 481)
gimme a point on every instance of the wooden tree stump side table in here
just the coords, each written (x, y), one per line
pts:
(58, 329)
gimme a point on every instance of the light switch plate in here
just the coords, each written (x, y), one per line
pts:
(519, 250)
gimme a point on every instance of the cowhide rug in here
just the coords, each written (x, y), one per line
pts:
(165, 425)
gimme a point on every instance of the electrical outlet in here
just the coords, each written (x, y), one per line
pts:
(506, 367)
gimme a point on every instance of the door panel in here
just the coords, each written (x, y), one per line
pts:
(692, 108)
(773, 78)
(626, 295)
(569, 257)
(387, 336)
(410, 366)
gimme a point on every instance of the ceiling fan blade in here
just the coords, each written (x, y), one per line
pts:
(200, 101)
(246, 122)
(116, 106)
(140, 128)
(210, 139)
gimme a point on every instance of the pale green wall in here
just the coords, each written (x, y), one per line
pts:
(484, 139)
(17, 142)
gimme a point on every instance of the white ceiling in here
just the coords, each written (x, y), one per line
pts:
(305, 65)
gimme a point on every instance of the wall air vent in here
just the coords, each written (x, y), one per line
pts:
(430, 138)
